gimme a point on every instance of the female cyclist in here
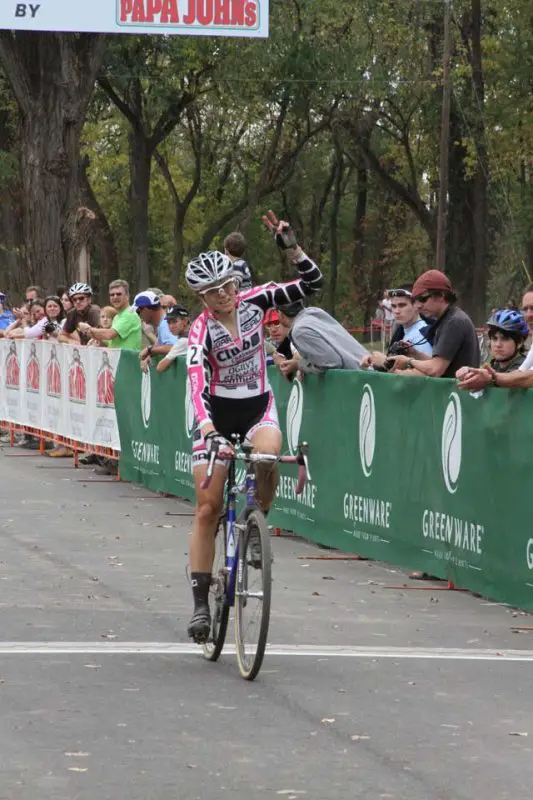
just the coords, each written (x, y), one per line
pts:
(230, 391)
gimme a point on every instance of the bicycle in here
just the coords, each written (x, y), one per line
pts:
(243, 559)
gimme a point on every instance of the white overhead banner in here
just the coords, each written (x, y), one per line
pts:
(171, 17)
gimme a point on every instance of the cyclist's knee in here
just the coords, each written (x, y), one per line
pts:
(208, 512)
(267, 440)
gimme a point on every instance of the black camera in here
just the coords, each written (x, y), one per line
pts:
(50, 327)
(399, 349)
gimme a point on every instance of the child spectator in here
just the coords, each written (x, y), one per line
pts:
(235, 248)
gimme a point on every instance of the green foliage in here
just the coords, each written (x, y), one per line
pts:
(341, 103)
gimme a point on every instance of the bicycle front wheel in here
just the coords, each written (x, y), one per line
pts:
(253, 594)
(218, 604)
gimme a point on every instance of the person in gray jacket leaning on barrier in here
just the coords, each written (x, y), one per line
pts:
(320, 341)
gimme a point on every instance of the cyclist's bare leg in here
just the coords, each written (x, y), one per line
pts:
(267, 440)
(202, 545)
(208, 509)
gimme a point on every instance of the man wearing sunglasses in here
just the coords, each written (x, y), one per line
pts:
(453, 336)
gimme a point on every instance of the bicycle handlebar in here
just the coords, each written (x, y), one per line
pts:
(301, 459)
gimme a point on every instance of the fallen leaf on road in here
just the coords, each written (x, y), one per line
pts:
(327, 720)
(516, 733)
(357, 737)
(328, 578)
(315, 594)
(77, 769)
(92, 666)
(77, 755)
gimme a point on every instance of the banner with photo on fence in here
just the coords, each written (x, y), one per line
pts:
(60, 389)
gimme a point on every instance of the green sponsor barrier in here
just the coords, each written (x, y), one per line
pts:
(405, 470)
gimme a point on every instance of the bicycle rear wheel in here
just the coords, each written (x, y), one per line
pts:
(217, 598)
(253, 594)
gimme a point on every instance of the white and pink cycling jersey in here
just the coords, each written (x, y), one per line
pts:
(219, 365)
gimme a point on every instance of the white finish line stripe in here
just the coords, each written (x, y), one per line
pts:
(310, 651)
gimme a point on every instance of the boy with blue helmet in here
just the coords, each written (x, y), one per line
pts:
(507, 332)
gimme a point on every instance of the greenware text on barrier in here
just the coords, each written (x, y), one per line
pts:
(405, 470)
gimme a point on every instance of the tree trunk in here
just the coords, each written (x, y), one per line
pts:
(52, 78)
(104, 237)
(178, 252)
(334, 227)
(140, 171)
(480, 188)
(359, 225)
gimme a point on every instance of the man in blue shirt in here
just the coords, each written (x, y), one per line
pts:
(148, 307)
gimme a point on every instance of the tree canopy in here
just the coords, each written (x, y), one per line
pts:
(334, 121)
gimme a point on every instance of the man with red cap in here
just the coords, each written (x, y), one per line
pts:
(452, 334)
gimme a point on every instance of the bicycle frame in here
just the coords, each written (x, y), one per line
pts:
(231, 547)
(249, 488)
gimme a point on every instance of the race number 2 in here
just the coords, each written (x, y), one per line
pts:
(194, 355)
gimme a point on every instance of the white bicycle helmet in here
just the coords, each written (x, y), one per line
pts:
(79, 288)
(208, 268)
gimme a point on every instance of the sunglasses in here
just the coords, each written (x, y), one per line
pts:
(423, 298)
(228, 287)
(78, 299)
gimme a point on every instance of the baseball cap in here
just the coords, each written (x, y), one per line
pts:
(432, 281)
(292, 309)
(271, 316)
(177, 312)
(146, 299)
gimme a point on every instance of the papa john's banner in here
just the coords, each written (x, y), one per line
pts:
(60, 389)
(405, 470)
(169, 17)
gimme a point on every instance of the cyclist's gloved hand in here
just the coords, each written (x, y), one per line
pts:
(282, 231)
(215, 441)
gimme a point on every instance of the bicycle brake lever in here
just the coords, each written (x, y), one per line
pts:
(210, 465)
(303, 450)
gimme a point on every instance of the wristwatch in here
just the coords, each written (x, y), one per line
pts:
(149, 348)
(409, 364)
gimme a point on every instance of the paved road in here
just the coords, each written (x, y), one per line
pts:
(102, 697)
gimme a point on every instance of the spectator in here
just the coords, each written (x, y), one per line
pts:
(178, 321)
(474, 380)
(321, 342)
(22, 319)
(167, 301)
(125, 331)
(34, 328)
(235, 248)
(6, 315)
(507, 332)
(148, 307)
(66, 302)
(452, 335)
(107, 315)
(409, 336)
(83, 312)
(32, 293)
(277, 341)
